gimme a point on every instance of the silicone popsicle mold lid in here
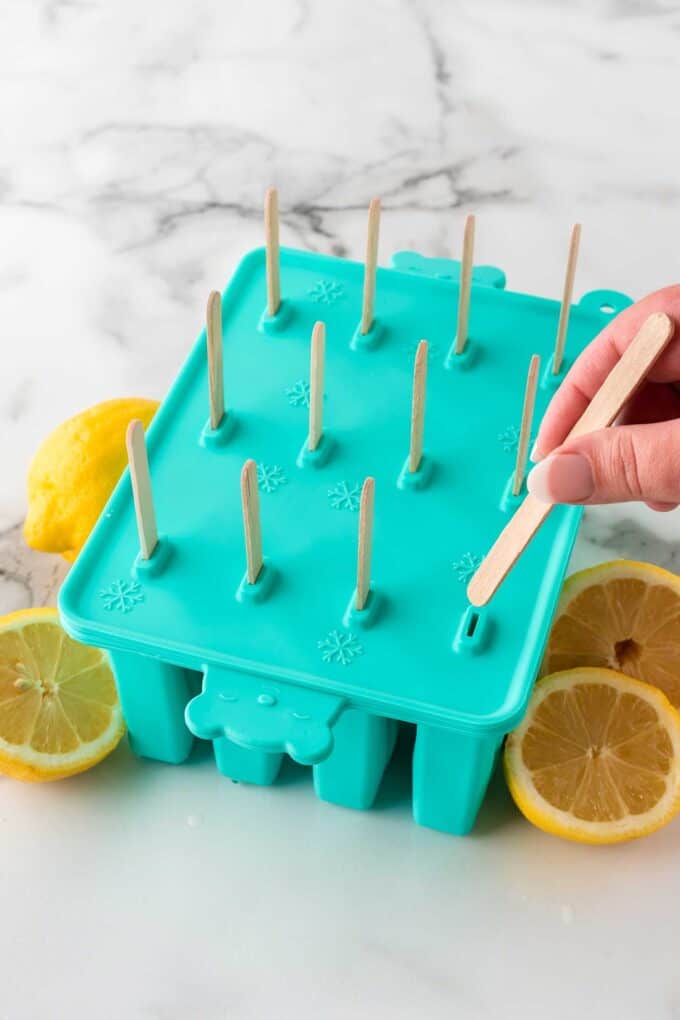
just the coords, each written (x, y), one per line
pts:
(419, 652)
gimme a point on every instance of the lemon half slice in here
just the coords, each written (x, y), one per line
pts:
(622, 615)
(596, 758)
(59, 709)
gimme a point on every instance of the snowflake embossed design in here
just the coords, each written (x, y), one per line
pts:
(509, 438)
(270, 477)
(326, 292)
(339, 647)
(466, 566)
(345, 496)
(122, 595)
(298, 394)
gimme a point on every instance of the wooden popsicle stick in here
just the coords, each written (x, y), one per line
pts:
(365, 542)
(271, 240)
(465, 283)
(250, 502)
(141, 488)
(527, 422)
(418, 407)
(371, 265)
(623, 380)
(567, 293)
(316, 372)
(215, 368)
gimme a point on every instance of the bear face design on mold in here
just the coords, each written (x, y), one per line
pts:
(269, 717)
(446, 269)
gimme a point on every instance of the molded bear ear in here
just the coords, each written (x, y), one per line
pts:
(408, 262)
(489, 276)
(206, 715)
(311, 744)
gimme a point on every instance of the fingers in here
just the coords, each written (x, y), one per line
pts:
(596, 362)
(628, 462)
(581, 383)
(653, 402)
(663, 508)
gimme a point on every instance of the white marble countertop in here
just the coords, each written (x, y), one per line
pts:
(138, 141)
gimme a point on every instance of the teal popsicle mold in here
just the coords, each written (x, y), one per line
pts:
(288, 665)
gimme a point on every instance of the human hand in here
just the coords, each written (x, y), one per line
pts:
(638, 459)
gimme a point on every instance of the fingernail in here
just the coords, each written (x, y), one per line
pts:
(534, 455)
(562, 478)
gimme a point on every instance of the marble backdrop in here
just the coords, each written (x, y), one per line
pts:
(139, 138)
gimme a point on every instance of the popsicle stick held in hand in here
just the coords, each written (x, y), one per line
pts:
(141, 488)
(615, 391)
(465, 284)
(567, 293)
(418, 407)
(371, 265)
(215, 369)
(316, 370)
(365, 542)
(271, 237)
(250, 502)
(525, 427)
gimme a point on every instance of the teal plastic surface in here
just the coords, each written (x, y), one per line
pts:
(288, 666)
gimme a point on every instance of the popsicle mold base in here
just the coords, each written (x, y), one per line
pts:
(251, 732)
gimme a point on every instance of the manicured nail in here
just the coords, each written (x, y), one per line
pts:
(534, 456)
(562, 478)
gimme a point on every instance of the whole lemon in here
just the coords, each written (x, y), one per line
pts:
(74, 472)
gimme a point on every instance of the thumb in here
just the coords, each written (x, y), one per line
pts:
(613, 465)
